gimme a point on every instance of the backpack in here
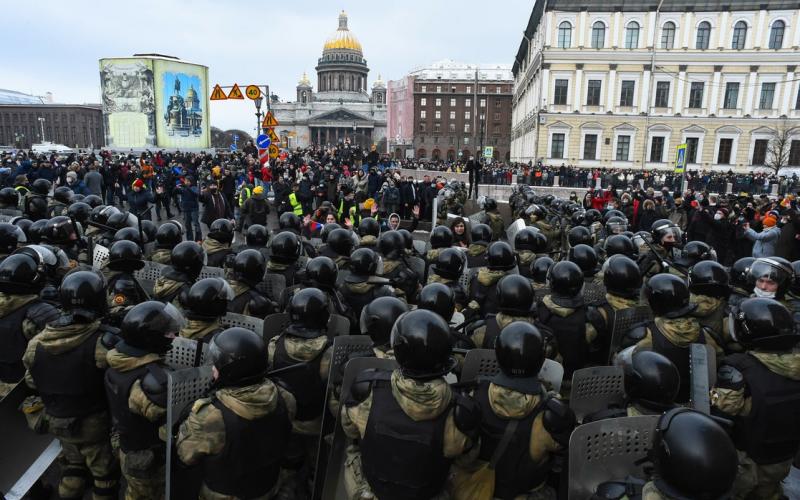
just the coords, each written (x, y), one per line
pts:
(391, 196)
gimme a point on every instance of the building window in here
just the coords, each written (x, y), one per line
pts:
(662, 95)
(483, 89)
(739, 35)
(437, 114)
(590, 147)
(466, 128)
(657, 149)
(724, 154)
(438, 102)
(497, 89)
(498, 103)
(731, 95)
(632, 35)
(483, 103)
(422, 127)
(560, 94)
(496, 130)
(469, 89)
(423, 88)
(452, 115)
(557, 146)
(623, 147)
(451, 140)
(467, 102)
(703, 35)
(452, 102)
(598, 35)
(668, 35)
(452, 127)
(691, 149)
(438, 89)
(437, 127)
(760, 152)
(776, 35)
(436, 138)
(794, 154)
(797, 101)
(593, 93)
(497, 117)
(626, 93)
(423, 114)
(467, 115)
(466, 141)
(767, 95)
(564, 35)
(423, 102)
(696, 95)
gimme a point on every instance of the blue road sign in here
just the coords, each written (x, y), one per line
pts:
(233, 147)
(235, 138)
(262, 141)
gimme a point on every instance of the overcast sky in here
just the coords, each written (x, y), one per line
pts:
(54, 45)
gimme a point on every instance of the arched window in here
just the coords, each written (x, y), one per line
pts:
(304, 97)
(703, 35)
(739, 35)
(564, 35)
(598, 35)
(632, 35)
(421, 153)
(436, 155)
(776, 35)
(668, 35)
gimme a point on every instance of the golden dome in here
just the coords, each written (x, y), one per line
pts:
(191, 93)
(304, 81)
(343, 38)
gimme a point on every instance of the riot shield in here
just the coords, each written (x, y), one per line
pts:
(420, 246)
(513, 229)
(624, 320)
(595, 389)
(338, 325)
(186, 353)
(148, 275)
(417, 265)
(211, 272)
(702, 370)
(254, 324)
(607, 450)
(99, 257)
(478, 218)
(274, 325)
(465, 278)
(272, 286)
(482, 363)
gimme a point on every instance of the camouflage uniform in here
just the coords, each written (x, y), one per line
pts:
(200, 330)
(86, 448)
(161, 256)
(497, 224)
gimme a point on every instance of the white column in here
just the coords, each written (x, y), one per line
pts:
(644, 93)
(577, 103)
(722, 31)
(610, 89)
(787, 94)
(713, 103)
(581, 28)
(687, 28)
(545, 76)
(759, 29)
(651, 30)
(752, 91)
(680, 83)
(795, 29)
(615, 37)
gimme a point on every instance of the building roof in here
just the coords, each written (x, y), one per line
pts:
(14, 97)
(447, 69)
(342, 38)
(669, 5)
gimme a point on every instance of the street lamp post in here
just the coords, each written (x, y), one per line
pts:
(483, 122)
(41, 123)
(355, 126)
(258, 102)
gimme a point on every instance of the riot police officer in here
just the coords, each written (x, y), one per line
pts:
(586, 259)
(579, 235)
(441, 238)
(623, 283)
(187, 259)
(660, 254)
(240, 433)
(415, 468)
(514, 404)
(290, 222)
(35, 204)
(256, 238)
(65, 365)
(500, 260)
(539, 270)
(619, 244)
(10, 237)
(368, 232)
(218, 243)
(481, 237)
(709, 288)
(447, 269)
(741, 287)
(537, 217)
(493, 218)
(377, 319)
(760, 391)
(61, 231)
(395, 268)
(168, 236)
(9, 199)
(58, 204)
(771, 278)
(248, 271)
(322, 273)
(529, 244)
(123, 291)
(515, 303)
(285, 249)
(136, 388)
(204, 304)
(363, 285)
(339, 246)
(22, 313)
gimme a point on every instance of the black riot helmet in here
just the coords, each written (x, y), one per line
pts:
(119, 220)
(9, 197)
(322, 272)
(693, 456)
(614, 213)
(666, 233)
(622, 277)
(93, 200)
(364, 262)
(777, 271)
(125, 256)
(439, 298)
(249, 266)
(586, 258)
(36, 231)
(520, 352)
(449, 263)
(149, 229)
(79, 212)
(763, 324)
(565, 279)
(378, 317)
(539, 269)
(536, 211)
(82, 294)
(129, 234)
(525, 239)
(36, 207)
(515, 295)
(151, 326)
(10, 237)
(619, 244)
(694, 252)
(391, 245)
(24, 225)
(288, 221)
(60, 230)
(240, 357)
(101, 213)
(490, 204)
(256, 236)
(341, 242)
(480, 233)
(441, 237)
(188, 257)
(795, 286)
(168, 236)
(326, 231)
(41, 187)
(577, 218)
(668, 296)
(408, 239)
(308, 312)
(500, 256)
(221, 230)
(616, 225)
(591, 216)
(369, 227)
(739, 273)
(422, 345)
(709, 278)
(540, 243)
(22, 274)
(62, 194)
(579, 235)
(208, 298)
(652, 380)
(285, 247)
(77, 197)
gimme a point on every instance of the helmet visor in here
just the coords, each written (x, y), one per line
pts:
(44, 255)
(768, 270)
(617, 227)
(671, 234)
(174, 321)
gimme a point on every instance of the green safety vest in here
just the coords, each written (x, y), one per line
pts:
(297, 208)
(244, 194)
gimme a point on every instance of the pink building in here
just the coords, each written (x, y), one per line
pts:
(400, 119)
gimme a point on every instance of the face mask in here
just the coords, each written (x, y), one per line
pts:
(717, 216)
(763, 293)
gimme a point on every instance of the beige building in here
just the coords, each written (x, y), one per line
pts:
(596, 85)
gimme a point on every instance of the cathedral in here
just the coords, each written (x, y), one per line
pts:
(341, 109)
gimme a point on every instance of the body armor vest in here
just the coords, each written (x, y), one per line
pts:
(485, 296)
(570, 334)
(13, 344)
(304, 383)
(679, 357)
(135, 431)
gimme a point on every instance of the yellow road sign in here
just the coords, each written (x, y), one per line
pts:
(273, 151)
(269, 120)
(272, 135)
(236, 92)
(218, 94)
(253, 92)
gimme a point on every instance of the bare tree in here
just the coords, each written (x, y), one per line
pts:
(779, 148)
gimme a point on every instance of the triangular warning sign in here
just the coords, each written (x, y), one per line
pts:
(269, 120)
(218, 94)
(273, 136)
(236, 92)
